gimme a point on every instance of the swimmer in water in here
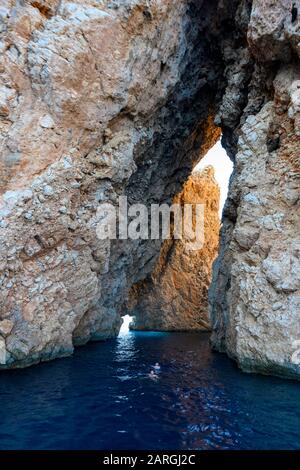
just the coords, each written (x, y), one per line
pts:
(153, 375)
(156, 367)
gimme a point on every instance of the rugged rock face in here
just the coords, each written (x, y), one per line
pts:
(174, 298)
(106, 98)
(97, 100)
(255, 295)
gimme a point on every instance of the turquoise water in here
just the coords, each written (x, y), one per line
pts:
(103, 398)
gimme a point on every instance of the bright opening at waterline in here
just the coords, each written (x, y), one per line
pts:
(127, 319)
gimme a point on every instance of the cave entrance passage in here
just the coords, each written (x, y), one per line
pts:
(217, 157)
(175, 296)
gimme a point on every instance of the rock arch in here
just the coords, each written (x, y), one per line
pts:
(122, 98)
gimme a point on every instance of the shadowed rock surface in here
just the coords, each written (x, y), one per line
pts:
(174, 298)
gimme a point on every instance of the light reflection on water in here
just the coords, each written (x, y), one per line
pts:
(103, 398)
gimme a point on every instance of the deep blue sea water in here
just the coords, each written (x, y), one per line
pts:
(102, 398)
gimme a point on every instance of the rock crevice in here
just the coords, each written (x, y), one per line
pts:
(174, 296)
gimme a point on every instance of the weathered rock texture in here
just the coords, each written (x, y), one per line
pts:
(255, 296)
(97, 99)
(174, 298)
(105, 98)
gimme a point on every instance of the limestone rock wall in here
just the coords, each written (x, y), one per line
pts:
(174, 298)
(255, 295)
(97, 99)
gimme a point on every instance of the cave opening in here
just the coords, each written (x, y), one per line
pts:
(218, 158)
(174, 297)
(125, 327)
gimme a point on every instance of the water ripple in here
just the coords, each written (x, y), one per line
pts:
(104, 398)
